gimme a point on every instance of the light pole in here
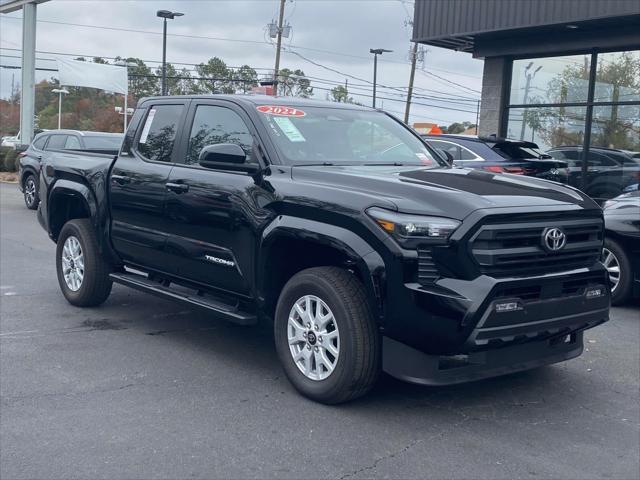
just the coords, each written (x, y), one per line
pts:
(529, 76)
(165, 14)
(60, 92)
(376, 52)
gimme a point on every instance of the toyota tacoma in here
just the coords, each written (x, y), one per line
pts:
(339, 224)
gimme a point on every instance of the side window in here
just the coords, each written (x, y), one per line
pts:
(452, 149)
(467, 154)
(39, 142)
(57, 142)
(212, 125)
(598, 160)
(159, 132)
(72, 143)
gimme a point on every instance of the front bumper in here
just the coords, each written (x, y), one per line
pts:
(411, 365)
(462, 316)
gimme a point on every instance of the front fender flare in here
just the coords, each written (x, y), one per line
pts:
(362, 256)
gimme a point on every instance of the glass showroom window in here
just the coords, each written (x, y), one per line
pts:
(584, 109)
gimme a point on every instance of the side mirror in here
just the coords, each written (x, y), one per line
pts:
(226, 156)
(447, 155)
(21, 148)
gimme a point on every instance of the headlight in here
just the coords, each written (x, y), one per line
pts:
(407, 228)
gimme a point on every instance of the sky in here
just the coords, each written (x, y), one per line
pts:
(329, 41)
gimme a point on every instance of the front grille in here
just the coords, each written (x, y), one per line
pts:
(427, 270)
(514, 249)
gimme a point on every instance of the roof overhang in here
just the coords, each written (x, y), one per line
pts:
(8, 6)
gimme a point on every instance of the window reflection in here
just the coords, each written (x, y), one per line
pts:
(159, 132)
(213, 125)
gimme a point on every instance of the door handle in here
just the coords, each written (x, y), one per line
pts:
(177, 187)
(120, 179)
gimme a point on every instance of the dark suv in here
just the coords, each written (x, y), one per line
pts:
(609, 171)
(46, 142)
(499, 155)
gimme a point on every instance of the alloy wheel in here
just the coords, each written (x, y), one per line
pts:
(314, 340)
(72, 263)
(30, 190)
(612, 265)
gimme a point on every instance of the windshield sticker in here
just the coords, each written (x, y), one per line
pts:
(147, 126)
(289, 129)
(280, 111)
(424, 159)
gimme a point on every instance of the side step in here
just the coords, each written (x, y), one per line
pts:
(226, 312)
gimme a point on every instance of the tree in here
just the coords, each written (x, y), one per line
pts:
(617, 79)
(341, 94)
(294, 84)
(142, 81)
(248, 76)
(217, 76)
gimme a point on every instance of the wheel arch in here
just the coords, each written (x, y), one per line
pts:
(67, 201)
(290, 245)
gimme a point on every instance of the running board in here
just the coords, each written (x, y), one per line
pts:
(226, 312)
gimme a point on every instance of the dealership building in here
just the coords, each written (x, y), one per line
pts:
(564, 74)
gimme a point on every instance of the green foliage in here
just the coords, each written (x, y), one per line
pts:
(458, 127)
(294, 84)
(217, 76)
(341, 94)
(8, 160)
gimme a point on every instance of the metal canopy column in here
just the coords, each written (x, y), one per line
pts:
(27, 97)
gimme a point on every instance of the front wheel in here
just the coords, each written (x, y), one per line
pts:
(31, 198)
(83, 274)
(618, 265)
(325, 335)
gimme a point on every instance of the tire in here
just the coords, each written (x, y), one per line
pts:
(95, 286)
(356, 367)
(30, 192)
(621, 292)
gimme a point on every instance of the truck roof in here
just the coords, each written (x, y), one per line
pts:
(252, 100)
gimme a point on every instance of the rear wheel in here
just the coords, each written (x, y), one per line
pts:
(325, 335)
(31, 198)
(83, 274)
(618, 265)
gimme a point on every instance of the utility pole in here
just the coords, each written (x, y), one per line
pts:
(414, 56)
(478, 117)
(278, 46)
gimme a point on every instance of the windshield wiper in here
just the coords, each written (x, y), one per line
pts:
(390, 164)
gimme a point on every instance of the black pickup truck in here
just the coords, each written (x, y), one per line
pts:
(338, 223)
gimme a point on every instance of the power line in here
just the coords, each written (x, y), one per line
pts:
(224, 39)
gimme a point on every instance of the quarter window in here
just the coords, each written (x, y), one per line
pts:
(39, 142)
(72, 143)
(159, 132)
(213, 125)
(57, 142)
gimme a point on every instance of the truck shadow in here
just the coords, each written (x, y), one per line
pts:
(250, 353)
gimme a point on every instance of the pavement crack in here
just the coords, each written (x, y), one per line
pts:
(8, 398)
(375, 463)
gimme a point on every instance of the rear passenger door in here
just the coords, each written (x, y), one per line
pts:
(138, 186)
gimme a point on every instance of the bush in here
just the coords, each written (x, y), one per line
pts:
(8, 160)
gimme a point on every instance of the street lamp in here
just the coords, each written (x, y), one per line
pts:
(60, 92)
(165, 14)
(376, 52)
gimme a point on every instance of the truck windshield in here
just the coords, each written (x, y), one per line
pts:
(336, 136)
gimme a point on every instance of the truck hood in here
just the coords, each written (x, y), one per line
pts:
(450, 192)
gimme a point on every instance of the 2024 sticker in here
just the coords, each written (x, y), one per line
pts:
(280, 111)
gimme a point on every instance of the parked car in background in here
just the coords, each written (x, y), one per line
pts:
(609, 171)
(621, 253)
(499, 155)
(10, 141)
(55, 140)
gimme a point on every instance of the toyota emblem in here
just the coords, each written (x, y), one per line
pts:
(554, 239)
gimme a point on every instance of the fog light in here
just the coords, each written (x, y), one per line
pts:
(507, 307)
(594, 292)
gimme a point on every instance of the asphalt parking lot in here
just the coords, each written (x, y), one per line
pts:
(142, 388)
